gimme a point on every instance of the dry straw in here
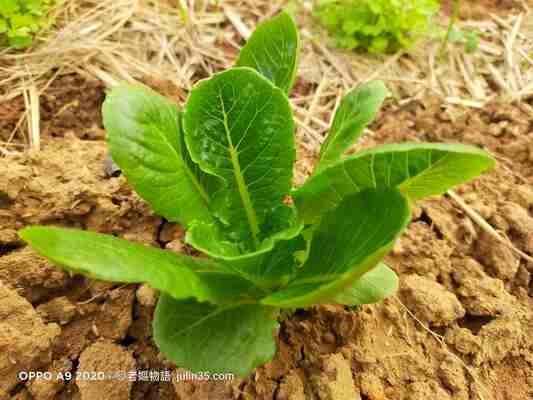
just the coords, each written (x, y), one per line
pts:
(177, 42)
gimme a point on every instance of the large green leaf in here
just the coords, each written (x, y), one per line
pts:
(239, 127)
(108, 258)
(372, 287)
(270, 265)
(145, 139)
(206, 337)
(356, 110)
(273, 50)
(348, 242)
(417, 169)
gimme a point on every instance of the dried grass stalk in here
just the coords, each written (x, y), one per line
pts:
(177, 42)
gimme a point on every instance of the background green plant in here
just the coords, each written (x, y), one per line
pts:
(21, 19)
(379, 26)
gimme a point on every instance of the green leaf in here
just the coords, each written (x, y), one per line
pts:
(455, 35)
(374, 286)
(20, 40)
(472, 42)
(9, 7)
(347, 42)
(108, 258)
(34, 6)
(356, 110)
(24, 21)
(239, 126)
(379, 45)
(3, 25)
(348, 242)
(273, 51)
(145, 140)
(270, 265)
(418, 169)
(206, 337)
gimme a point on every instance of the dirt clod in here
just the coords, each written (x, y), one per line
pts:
(430, 301)
(291, 388)
(59, 310)
(423, 253)
(47, 389)
(116, 314)
(146, 296)
(33, 277)
(64, 184)
(108, 358)
(335, 382)
(453, 377)
(463, 340)
(479, 293)
(521, 224)
(498, 258)
(499, 338)
(25, 340)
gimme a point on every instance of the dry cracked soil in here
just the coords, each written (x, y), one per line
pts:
(460, 327)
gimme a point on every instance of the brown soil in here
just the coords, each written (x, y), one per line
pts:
(480, 9)
(460, 328)
(70, 105)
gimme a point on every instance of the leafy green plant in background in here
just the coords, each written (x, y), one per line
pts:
(222, 167)
(21, 19)
(379, 26)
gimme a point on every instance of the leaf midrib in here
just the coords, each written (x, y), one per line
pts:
(432, 165)
(239, 178)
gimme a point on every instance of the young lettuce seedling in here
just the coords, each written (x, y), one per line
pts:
(222, 168)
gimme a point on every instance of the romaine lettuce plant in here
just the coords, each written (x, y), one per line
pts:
(222, 167)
